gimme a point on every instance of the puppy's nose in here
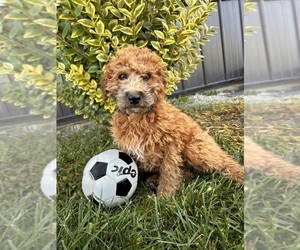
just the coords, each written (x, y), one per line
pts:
(134, 98)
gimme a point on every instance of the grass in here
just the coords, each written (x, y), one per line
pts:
(272, 214)
(206, 213)
(275, 125)
(201, 216)
(27, 218)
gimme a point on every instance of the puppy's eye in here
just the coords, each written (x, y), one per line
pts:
(123, 77)
(146, 77)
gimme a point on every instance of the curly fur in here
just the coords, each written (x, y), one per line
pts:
(162, 139)
(259, 159)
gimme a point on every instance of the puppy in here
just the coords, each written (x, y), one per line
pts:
(161, 139)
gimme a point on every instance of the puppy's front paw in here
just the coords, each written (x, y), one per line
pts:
(163, 190)
(152, 182)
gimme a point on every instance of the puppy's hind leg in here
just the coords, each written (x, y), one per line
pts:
(207, 156)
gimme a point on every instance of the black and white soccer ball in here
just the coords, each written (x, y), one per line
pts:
(48, 180)
(110, 178)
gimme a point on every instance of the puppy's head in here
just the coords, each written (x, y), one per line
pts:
(135, 78)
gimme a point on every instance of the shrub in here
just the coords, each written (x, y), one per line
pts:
(249, 6)
(90, 32)
(27, 44)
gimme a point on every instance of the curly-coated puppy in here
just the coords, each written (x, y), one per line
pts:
(260, 159)
(162, 139)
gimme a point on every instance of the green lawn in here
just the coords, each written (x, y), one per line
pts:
(27, 217)
(206, 213)
(272, 212)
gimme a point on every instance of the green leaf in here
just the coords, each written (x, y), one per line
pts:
(78, 58)
(127, 31)
(16, 16)
(159, 34)
(125, 12)
(115, 41)
(167, 57)
(100, 27)
(34, 58)
(77, 33)
(107, 33)
(102, 57)
(172, 31)
(138, 27)
(66, 16)
(64, 3)
(142, 43)
(36, 2)
(106, 48)
(86, 22)
(93, 69)
(94, 42)
(113, 23)
(33, 32)
(165, 25)
(193, 9)
(191, 2)
(188, 32)
(35, 11)
(69, 52)
(51, 23)
(13, 3)
(169, 41)
(117, 28)
(90, 9)
(129, 2)
(138, 10)
(15, 30)
(66, 30)
(8, 66)
(79, 2)
(120, 3)
(115, 12)
(156, 45)
(20, 52)
(78, 10)
(28, 67)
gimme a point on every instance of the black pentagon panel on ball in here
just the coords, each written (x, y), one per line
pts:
(99, 170)
(123, 187)
(125, 157)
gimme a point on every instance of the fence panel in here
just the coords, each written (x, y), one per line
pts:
(273, 53)
(223, 60)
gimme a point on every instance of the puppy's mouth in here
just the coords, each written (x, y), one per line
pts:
(135, 102)
(136, 109)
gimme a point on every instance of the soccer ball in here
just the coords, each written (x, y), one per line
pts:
(48, 180)
(110, 178)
